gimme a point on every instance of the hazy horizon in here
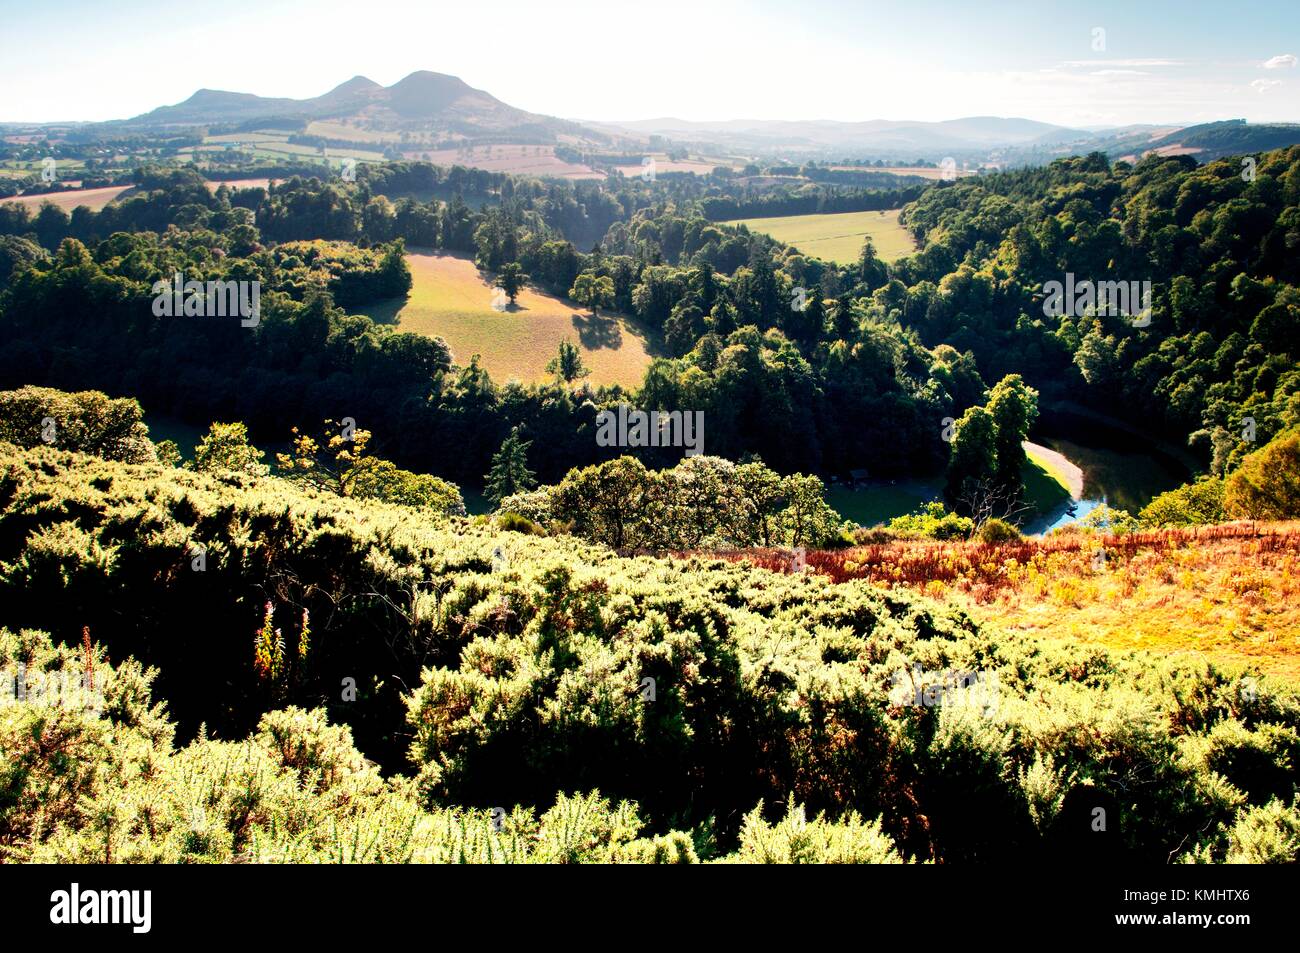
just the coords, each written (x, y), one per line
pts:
(1165, 63)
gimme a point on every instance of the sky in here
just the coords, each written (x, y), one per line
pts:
(1098, 63)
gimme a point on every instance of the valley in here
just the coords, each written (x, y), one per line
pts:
(649, 435)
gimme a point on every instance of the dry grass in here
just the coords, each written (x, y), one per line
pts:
(94, 199)
(452, 299)
(1229, 592)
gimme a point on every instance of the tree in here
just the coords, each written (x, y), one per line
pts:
(1013, 407)
(1267, 484)
(609, 503)
(973, 459)
(592, 291)
(225, 447)
(871, 271)
(332, 468)
(509, 473)
(567, 364)
(511, 279)
(809, 520)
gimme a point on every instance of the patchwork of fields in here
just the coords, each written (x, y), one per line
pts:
(838, 236)
(452, 299)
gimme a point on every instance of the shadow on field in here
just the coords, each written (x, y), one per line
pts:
(382, 312)
(596, 332)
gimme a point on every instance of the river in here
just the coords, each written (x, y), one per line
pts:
(1121, 468)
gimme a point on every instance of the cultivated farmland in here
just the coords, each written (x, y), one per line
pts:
(452, 299)
(838, 237)
(94, 199)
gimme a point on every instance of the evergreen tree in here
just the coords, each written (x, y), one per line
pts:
(509, 474)
(567, 364)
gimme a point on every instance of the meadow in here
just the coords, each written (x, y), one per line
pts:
(451, 299)
(838, 237)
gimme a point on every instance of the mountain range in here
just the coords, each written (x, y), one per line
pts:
(436, 104)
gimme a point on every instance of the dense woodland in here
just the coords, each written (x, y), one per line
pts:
(862, 377)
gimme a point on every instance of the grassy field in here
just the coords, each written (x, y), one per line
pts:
(451, 299)
(1046, 487)
(235, 184)
(881, 502)
(95, 199)
(1049, 478)
(838, 237)
(516, 159)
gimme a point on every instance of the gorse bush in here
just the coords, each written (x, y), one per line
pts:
(931, 521)
(105, 784)
(512, 669)
(996, 530)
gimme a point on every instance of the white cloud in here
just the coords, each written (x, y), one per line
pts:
(1135, 62)
(1284, 61)
(1120, 72)
(1264, 85)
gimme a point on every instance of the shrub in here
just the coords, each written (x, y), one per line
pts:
(995, 530)
(1267, 484)
(796, 840)
(1192, 504)
(88, 422)
(1108, 519)
(694, 688)
(514, 523)
(931, 521)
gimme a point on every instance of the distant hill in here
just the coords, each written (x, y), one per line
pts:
(423, 101)
(1215, 140)
(437, 107)
(876, 135)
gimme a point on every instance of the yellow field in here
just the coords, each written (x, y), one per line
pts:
(1230, 600)
(838, 237)
(451, 299)
(95, 199)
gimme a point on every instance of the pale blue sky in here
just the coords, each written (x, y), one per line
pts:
(1187, 61)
